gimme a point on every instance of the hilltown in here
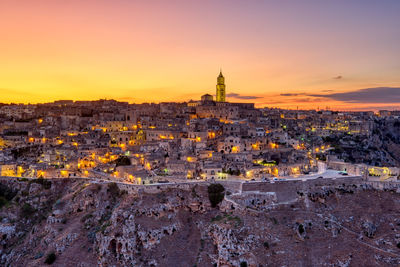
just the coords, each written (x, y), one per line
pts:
(196, 140)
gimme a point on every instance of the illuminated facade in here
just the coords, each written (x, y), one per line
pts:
(220, 88)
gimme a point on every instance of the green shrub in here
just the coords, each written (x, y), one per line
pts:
(86, 217)
(301, 228)
(274, 220)
(123, 192)
(27, 210)
(44, 182)
(3, 201)
(215, 194)
(202, 244)
(113, 189)
(97, 188)
(243, 264)
(217, 218)
(122, 161)
(194, 193)
(7, 192)
(51, 258)
(227, 218)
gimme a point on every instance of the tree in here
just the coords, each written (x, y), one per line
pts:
(51, 258)
(122, 161)
(113, 189)
(3, 201)
(7, 193)
(215, 194)
(27, 211)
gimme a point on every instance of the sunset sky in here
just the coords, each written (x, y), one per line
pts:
(344, 54)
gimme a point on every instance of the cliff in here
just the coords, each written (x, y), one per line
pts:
(85, 223)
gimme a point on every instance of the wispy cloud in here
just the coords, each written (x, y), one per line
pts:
(239, 96)
(367, 95)
(338, 77)
(291, 94)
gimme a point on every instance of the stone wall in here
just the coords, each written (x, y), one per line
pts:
(287, 190)
(232, 186)
(384, 185)
(154, 188)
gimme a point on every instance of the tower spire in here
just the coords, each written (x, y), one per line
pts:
(220, 73)
(220, 87)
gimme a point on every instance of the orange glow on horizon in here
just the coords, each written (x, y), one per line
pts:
(157, 51)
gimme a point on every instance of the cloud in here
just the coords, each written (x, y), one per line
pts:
(338, 77)
(238, 96)
(367, 95)
(291, 94)
(310, 100)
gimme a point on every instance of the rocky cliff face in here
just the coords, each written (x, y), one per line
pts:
(90, 224)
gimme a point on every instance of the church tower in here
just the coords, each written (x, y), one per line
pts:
(220, 88)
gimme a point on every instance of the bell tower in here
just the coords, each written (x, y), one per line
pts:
(220, 87)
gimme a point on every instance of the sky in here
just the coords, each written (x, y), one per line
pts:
(309, 54)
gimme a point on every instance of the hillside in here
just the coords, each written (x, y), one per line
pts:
(90, 224)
